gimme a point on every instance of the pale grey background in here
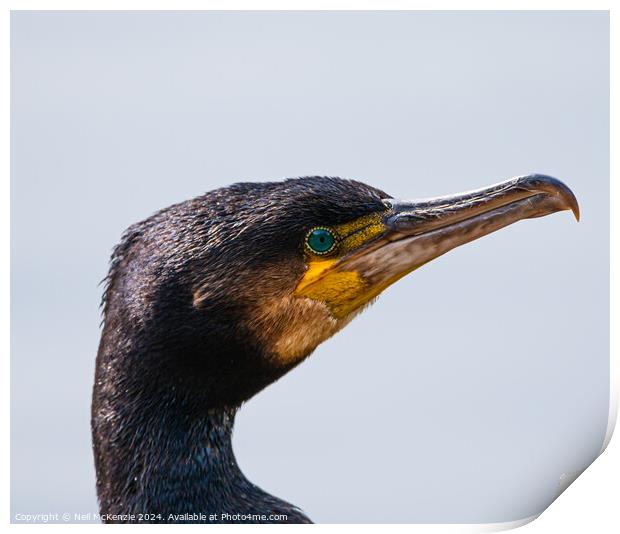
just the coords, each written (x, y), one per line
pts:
(471, 386)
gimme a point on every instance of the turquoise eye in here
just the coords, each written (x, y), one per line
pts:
(320, 240)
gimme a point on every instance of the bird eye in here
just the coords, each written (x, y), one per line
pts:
(320, 240)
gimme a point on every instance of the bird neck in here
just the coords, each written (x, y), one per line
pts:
(189, 465)
(160, 459)
(158, 455)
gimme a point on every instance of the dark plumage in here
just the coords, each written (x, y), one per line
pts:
(173, 367)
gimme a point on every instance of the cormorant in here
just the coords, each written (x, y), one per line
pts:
(210, 300)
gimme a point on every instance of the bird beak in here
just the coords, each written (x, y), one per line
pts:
(421, 230)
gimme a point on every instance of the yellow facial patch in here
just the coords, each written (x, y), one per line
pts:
(356, 233)
(341, 291)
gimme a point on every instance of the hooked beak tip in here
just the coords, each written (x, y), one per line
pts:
(551, 186)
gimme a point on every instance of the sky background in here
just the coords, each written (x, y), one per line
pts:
(472, 386)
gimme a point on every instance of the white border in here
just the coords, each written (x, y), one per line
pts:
(590, 504)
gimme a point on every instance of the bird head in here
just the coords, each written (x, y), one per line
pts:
(225, 293)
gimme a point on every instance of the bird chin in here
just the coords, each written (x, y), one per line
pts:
(291, 327)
